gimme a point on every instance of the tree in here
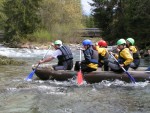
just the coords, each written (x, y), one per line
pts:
(22, 18)
(2, 15)
(103, 15)
(138, 19)
(123, 18)
(88, 21)
(59, 17)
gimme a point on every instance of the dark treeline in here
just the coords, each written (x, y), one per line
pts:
(122, 19)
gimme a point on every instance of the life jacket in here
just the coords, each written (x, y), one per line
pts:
(66, 55)
(91, 58)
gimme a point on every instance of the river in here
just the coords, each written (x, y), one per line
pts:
(37, 96)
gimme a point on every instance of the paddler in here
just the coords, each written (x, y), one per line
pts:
(63, 54)
(124, 57)
(136, 55)
(90, 62)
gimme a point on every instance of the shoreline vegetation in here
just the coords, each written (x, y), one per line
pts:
(45, 44)
(10, 61)
(49, 20)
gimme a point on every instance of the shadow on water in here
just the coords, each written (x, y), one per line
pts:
(19, 96)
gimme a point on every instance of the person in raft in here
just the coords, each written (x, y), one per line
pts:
(103, 54)
(91, 58)
(124, 57)
(63, 54)
(136, 55)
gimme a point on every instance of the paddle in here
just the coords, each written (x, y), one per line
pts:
(131, 78)
(79, 74)
(30, 76)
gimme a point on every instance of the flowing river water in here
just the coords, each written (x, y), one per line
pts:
(37, 96)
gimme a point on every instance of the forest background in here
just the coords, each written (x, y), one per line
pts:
(47, 20)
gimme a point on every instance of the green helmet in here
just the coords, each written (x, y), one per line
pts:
(58, 42)
(121, 41)
(131, 40)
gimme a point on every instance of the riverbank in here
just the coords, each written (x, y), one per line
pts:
(9, 61)
(46, 44)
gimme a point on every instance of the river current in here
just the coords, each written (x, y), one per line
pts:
(37, 96)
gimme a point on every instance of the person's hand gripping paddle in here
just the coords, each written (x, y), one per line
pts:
(30, 76)
(131, 77)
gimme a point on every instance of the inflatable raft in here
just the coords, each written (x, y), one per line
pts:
(92, 77)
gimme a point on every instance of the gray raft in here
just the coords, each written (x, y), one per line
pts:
(92, 77)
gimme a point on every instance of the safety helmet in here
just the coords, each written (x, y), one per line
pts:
(86, 42)
(90, 42)
(121, 41)
(131, 40)
(58, 42)
(102, 43)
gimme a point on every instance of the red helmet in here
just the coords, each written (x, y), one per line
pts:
(102, 43)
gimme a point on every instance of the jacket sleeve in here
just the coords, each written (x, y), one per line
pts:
(127, 56)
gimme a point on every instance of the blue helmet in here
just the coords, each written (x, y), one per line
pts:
(87, 42)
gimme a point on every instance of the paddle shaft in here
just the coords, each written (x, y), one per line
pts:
(131, 78)
(80, 55)
(43, 57)
(79, 74)
(32, 73)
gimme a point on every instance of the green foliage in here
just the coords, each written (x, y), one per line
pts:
(61, 17)
(88, 21)
(9, 61)
(123, 18)
(138, 16)
(40, 20)
(2, 15)
(42, 36)
(103, 15)
(22, 18)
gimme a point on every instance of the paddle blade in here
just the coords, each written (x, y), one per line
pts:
(79, 78)
(30, 76)
(131, 78)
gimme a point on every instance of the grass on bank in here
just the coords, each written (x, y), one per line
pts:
(9, 61)
(44, 37)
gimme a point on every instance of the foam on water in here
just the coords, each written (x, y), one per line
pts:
(23, 53)
(119, 83)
